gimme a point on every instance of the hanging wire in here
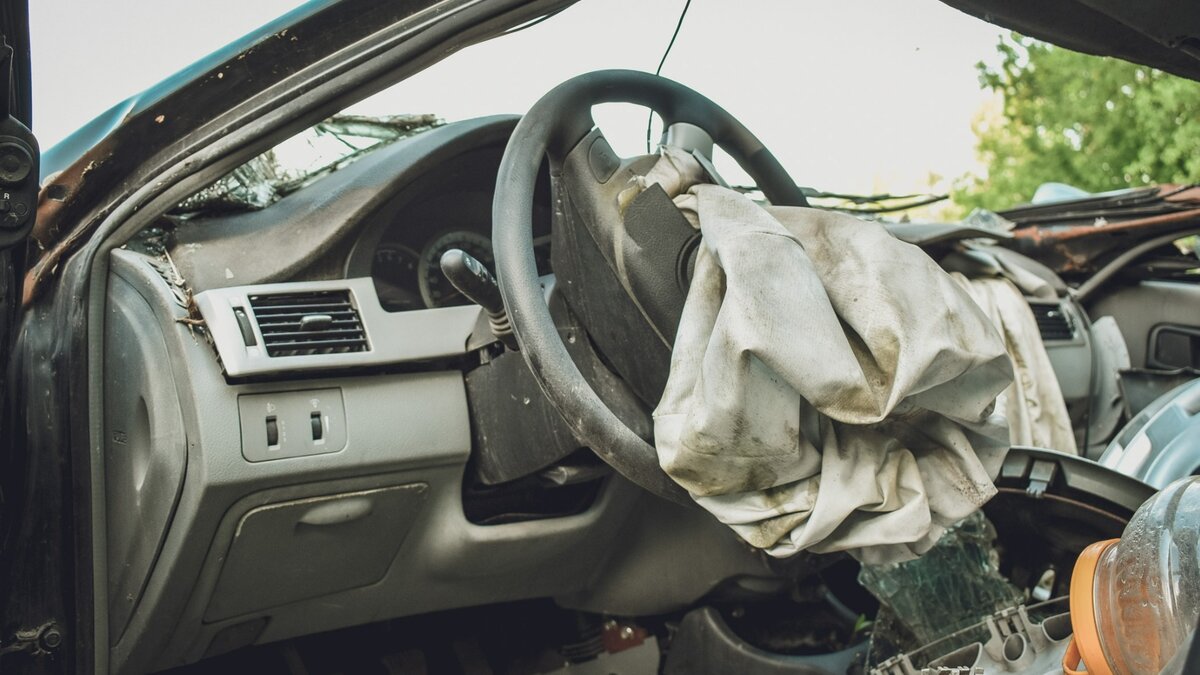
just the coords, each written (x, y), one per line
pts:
(663, 60)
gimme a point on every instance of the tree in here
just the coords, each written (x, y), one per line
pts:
(1096, 123)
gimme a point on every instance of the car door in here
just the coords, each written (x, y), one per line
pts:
(1156, 303)
(31, 597)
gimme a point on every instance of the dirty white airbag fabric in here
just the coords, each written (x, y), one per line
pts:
(1033, 404)
(831, 388)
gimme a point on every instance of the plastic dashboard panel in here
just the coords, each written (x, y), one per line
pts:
(404, 428)
(393, 337)
(286, 240)
(412, 551)
(1071, 357)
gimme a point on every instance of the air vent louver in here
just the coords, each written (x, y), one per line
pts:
(1053, 323)
(319, 322)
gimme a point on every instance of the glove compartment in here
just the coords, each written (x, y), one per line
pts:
(294, 550)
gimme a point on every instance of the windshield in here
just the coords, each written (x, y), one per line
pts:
(857, 97)
(861, 101)
(888, 113)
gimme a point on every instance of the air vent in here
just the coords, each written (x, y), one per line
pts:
(320, 322)
(1053, 323)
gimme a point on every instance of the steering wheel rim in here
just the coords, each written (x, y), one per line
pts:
(554, 126)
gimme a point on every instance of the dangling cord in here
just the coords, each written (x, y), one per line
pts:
(658, 70)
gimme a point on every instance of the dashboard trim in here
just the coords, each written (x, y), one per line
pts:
(394, 337)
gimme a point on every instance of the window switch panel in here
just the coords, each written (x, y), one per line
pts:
(292, 424)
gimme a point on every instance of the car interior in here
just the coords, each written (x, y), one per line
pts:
(316, 442)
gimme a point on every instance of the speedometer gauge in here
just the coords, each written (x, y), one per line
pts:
(436, 290)
(394, 269)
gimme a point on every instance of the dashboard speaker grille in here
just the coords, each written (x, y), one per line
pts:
(318, 322)
(1053, 323)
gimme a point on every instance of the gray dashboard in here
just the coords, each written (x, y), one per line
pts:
(312, 233)
(391, 337)
(388, 216)
(215, 543)
(263, 485)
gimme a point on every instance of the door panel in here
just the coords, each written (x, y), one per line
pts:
(1173, 346)
(1159, 319)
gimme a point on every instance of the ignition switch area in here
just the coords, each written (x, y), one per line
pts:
(292, 424)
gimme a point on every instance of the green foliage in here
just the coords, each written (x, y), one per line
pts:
(1096, 123)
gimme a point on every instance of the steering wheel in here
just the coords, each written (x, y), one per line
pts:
(586, 176)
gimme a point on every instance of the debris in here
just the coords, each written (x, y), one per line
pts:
(1076, 238)
(302, 159)
(954, 585)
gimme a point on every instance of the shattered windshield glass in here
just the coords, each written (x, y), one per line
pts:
(302, 160)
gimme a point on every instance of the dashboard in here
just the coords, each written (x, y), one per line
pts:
(400, 246)
(405, 263)
(388, 216)
(267, 483)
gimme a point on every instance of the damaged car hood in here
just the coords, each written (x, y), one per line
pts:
(1076, 238)
(1164, 34)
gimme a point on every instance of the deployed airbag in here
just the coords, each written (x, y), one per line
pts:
(1033, 404)
(831, 388)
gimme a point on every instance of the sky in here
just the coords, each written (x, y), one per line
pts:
(853, 95)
